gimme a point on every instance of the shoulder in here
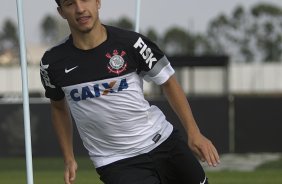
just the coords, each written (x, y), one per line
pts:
(123, 35)
(56, 52)
(119, 32)
(131, 39)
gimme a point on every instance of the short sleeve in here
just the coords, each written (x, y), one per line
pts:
(52, 91)
(153, 65)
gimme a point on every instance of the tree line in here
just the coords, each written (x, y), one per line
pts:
(245, 35)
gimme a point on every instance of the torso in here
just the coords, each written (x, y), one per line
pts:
(104, 90)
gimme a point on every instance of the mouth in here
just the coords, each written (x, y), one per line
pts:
(83, 19)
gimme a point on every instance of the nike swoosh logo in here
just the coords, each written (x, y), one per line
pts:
(71, 69)
(204, 181)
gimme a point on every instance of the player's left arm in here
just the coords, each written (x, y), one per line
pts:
(198, 143)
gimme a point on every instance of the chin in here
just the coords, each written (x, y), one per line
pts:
(85, 30)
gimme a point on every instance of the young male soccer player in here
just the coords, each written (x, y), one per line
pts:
(97, 73)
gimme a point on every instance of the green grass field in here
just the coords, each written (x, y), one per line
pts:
(50, 171)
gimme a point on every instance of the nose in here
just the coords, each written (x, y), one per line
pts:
(79, 7)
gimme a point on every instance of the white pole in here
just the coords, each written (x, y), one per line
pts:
(137, 16)
(28, 149)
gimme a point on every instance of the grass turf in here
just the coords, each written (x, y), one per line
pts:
(50, 170)
(45, 171)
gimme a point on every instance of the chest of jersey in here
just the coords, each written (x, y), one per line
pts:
(92, 65)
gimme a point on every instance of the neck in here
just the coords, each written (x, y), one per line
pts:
(91, 39)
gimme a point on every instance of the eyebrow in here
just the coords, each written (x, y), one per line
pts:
(64, 1)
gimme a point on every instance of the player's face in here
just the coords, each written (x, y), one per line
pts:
(82, 15)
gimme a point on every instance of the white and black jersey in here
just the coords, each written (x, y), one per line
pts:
(103, 87)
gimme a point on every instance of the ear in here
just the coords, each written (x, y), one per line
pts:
(59, 9)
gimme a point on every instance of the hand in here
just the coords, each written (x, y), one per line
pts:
(203, 148)
(70, 172)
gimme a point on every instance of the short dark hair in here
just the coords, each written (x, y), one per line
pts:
(58, 2)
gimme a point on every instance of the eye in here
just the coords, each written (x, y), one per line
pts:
(68, 2)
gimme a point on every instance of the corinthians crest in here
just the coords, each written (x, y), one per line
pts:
(116, 64)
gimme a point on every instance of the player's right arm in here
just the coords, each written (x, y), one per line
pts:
(62, 123)
(60, 114)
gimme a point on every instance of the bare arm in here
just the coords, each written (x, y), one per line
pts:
(203, 147)
(63, 127)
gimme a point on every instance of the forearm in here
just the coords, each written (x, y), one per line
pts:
(62, 124)
(179, 103)
(198, 143)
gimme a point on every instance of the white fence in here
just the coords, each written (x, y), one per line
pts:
(256, 78)
(263, 78)
(11, 84)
